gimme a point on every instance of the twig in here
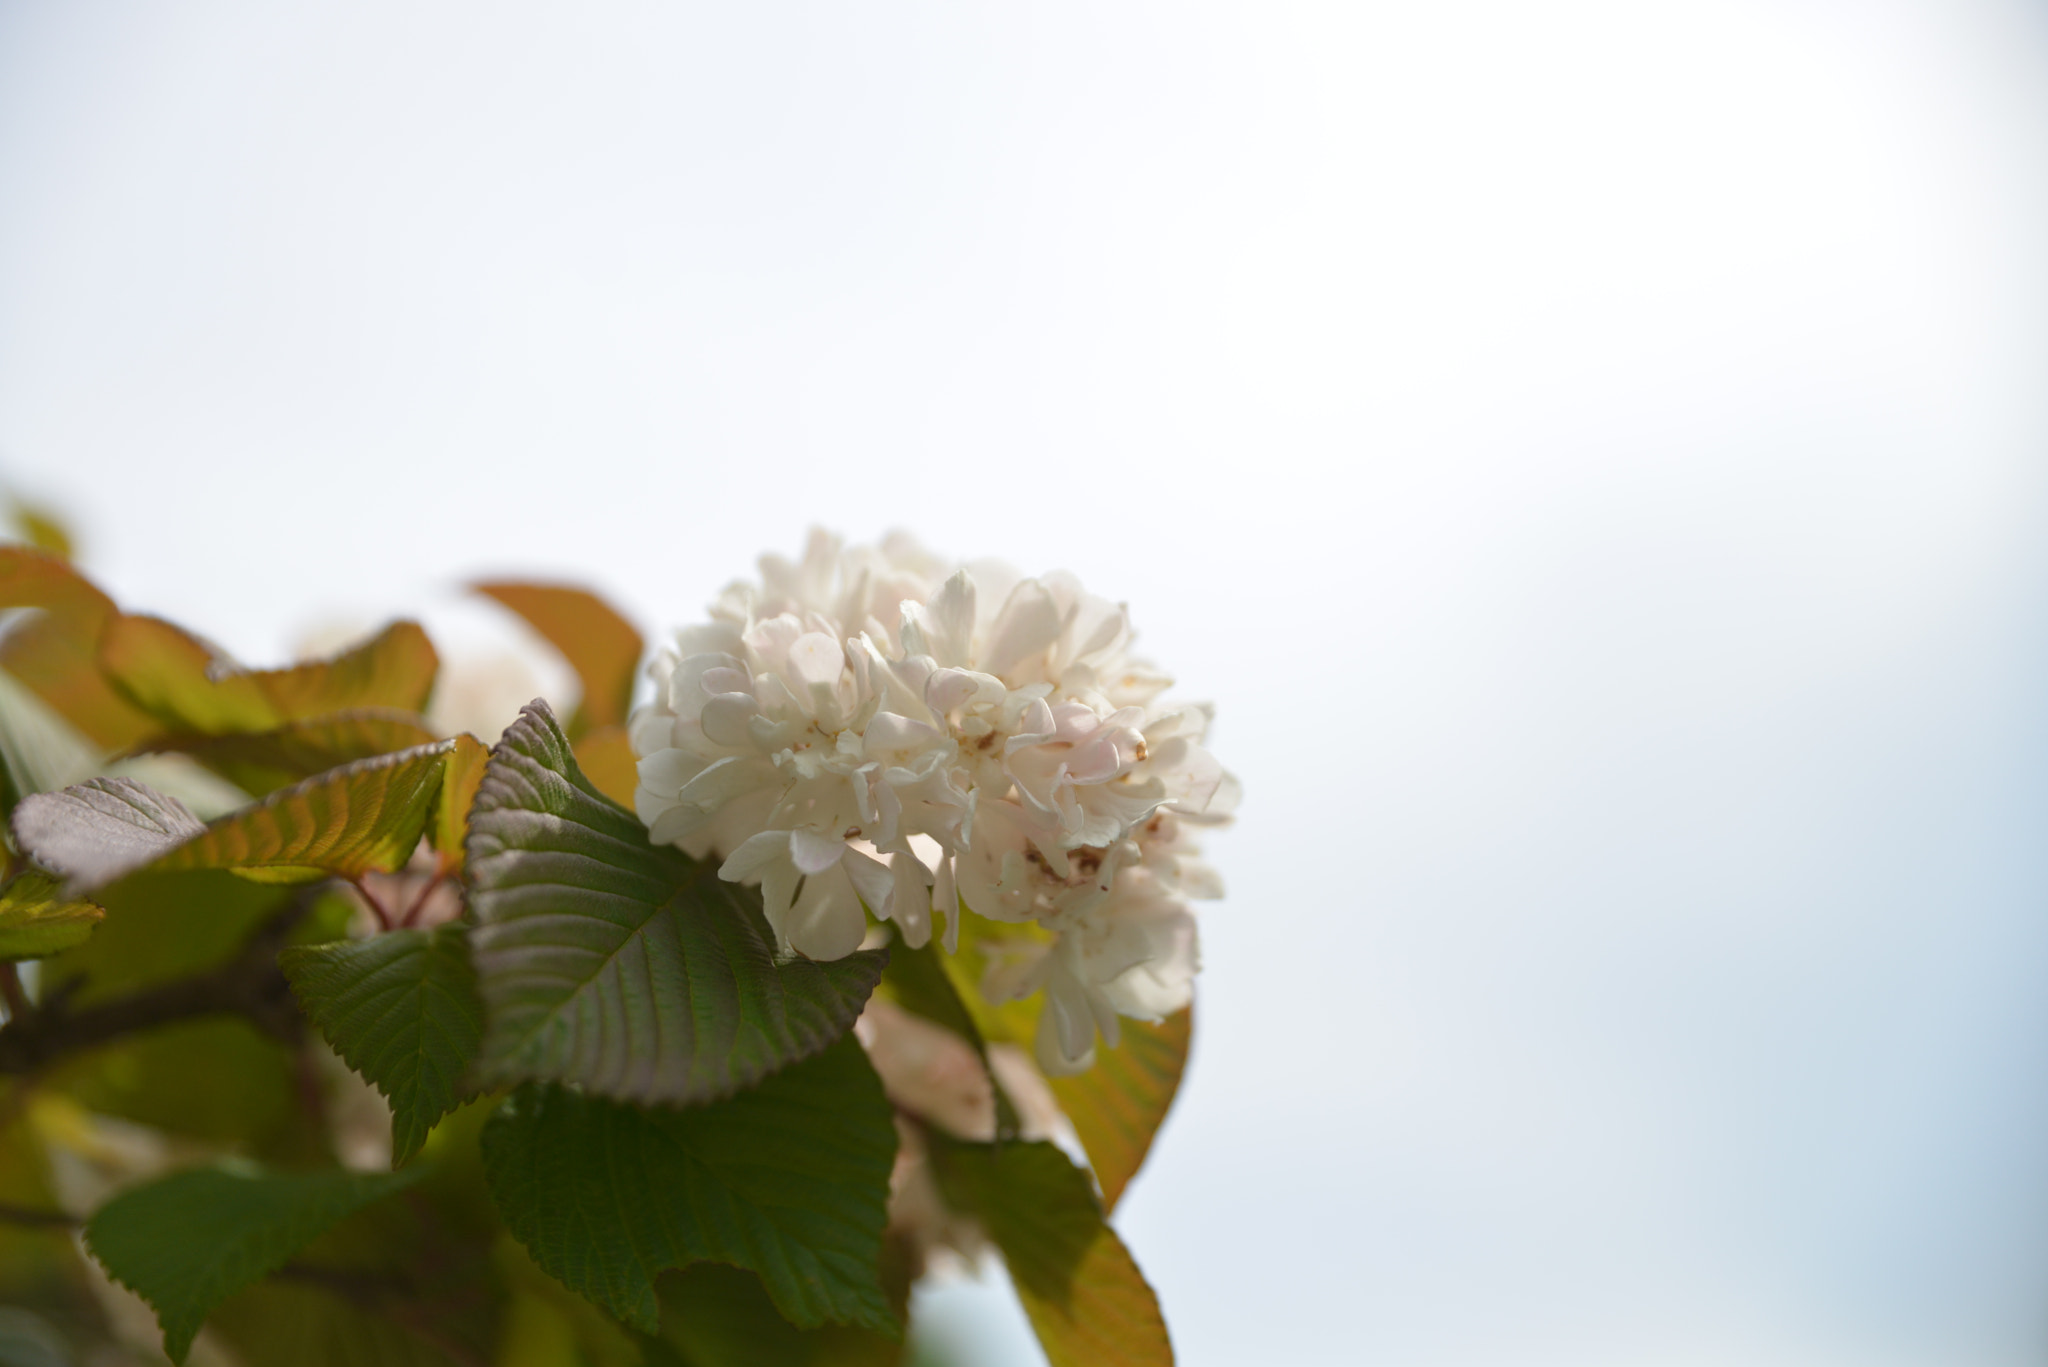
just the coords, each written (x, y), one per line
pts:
(248, 985)
(370, 899)
(419, 903)
(40, 1219)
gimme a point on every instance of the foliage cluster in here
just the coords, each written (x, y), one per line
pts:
(621, 1127)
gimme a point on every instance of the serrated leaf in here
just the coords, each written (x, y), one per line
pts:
(367, 815)
(462, 775)
(624, 967)
(37, 919)
(189, 1241)
(188, 688)
(93, 832)
(1083, 1292)
(55, 653)
(347, 821)
(606, 757)
(1118, 1105)
(600, 645)
(401, 1009)
(789, 1180)
(261, 761)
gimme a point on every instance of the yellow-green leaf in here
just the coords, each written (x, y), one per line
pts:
(462, 775)
(1118, 1105)
(37, 919)
(362, 816)
(1086, 1298)
(600, 645)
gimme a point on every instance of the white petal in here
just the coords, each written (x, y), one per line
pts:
(813, 852)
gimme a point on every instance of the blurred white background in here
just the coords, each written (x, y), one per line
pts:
(1593, 454)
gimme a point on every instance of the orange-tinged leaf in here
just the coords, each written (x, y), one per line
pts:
(348, 821)
(600, 645)
(1088, 1302)
(176, 678)
(260, 761)
(179, 680)
(1117, 1106)
(55, 653)
(462, 775)
(607, 759)
(395, 669)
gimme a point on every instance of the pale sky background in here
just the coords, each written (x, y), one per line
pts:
(1593, 454)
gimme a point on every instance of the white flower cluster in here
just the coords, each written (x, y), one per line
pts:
(867, 729)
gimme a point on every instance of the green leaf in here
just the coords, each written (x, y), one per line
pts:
(37, 919)
(189, 1241)
(624, 967)
(917, 979)
(188, 688)
(402, 1010)
(1084, 1294)
(719, 1316)
(1118, 1105)
(260, 761)
(56, 652)
(600, 645)
(789, 1180)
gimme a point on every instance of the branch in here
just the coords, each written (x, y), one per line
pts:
(37, 1219)
(247, 985)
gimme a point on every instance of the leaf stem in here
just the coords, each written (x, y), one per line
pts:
(419, 903)
(377, 908)
(41, 1219)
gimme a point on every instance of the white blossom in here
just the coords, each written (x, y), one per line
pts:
(868, 730)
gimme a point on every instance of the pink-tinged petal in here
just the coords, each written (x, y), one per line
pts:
(815, 658)
(952, 616)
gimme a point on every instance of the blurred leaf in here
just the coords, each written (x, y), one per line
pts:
(55, 652)
(260, 761)
(321, 1319)
(94, 832)
(548, 1325)
(402, 1010)
(37, 919)
(624, 967)
(40, 752)
(29, 1340)
(1118, 1105)
(606, 757)
(179, 681)
(182, 683)
(600, 645)
(719, 1316)
(1085, 1296)
(394, 669)
(790, 1180)
(463, 775)
(917, 979)
(40, 528)
(187, 1242)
